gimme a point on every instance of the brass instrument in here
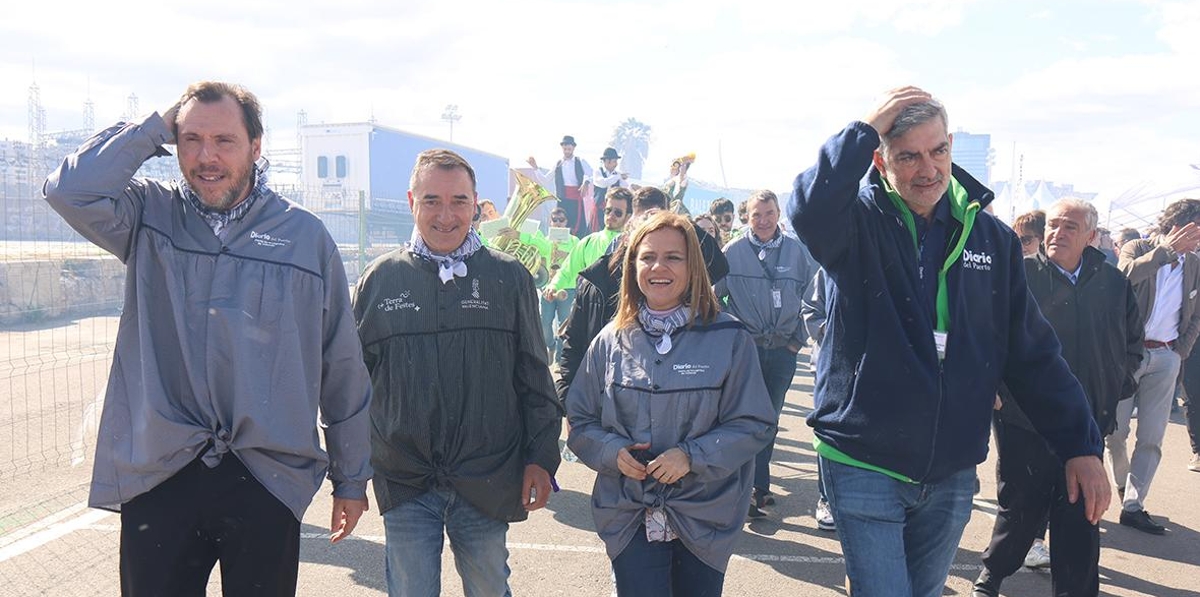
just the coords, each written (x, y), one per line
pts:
(528, 196)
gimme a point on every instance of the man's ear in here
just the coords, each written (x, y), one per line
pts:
(877, 159)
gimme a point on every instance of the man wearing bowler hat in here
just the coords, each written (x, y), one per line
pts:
(606, 178)
(572, 176)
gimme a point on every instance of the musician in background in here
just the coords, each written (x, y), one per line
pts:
(572, 180)
(618, 206)
(606, 177)
(677, 184)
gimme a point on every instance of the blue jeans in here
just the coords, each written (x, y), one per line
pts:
(898, 538)
(550, 311)
(663, 569)
(778, 369)
(413, 556)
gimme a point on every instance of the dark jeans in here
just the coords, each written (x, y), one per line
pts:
(663, 569)
(778, 368)
(1031, 489)
(172, 535)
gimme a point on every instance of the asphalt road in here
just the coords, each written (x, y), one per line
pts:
(556, 552)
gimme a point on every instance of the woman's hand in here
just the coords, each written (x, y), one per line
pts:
(628, 465)
(670, 466)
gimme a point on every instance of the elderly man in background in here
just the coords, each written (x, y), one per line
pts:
(1094, 313)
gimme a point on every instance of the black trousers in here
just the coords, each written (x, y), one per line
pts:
(1031, 489)
(172, 535)
(1191, 398)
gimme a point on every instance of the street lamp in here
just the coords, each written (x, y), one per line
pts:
(451, 116)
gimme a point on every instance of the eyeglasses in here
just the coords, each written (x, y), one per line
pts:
(1028, 239)
(616, 211)
(724, 217)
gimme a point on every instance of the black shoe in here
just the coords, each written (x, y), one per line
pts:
(762, 499)
(1141, 521)
(755, 512)
(1121, 493)
(986, 585)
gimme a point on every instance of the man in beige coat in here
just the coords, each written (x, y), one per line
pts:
(1165, 274)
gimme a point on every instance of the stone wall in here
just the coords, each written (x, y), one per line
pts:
(38, 290)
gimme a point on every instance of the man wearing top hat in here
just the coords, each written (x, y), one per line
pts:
(572, 176)
(606, 178)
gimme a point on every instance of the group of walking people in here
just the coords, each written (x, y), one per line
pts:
(240, 344)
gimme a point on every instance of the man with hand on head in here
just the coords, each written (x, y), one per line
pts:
(465, 422)
(236, 336)
(929, 313)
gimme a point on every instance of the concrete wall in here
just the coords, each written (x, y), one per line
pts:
(38, 290)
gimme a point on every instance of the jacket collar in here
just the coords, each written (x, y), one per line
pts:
(974, 189)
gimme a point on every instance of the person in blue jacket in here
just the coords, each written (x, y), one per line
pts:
(928, 314)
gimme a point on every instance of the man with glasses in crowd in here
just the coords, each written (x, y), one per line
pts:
(618, 205)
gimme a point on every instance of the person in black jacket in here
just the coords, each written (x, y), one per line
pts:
(1092, 308)
(598, 284)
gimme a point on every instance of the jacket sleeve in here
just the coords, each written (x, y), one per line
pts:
(584, 323)
(714, 259)
(595, 446)
(541, 411)
(345, 389)
(1135, 337)
(1141, 260)
(93, 188)
(745, 419)
(801, 335)
(1040, 380)
(1189, 330)
(824, 196)
(812, 308)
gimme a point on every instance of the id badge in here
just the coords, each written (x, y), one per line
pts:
(939, 340)
(777, 298)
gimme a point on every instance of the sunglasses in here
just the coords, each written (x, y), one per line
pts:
(1028, 239)
(616, 211)
(725, 217)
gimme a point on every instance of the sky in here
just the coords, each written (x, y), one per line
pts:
(1100, 94)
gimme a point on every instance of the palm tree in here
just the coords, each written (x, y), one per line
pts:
(631, 139)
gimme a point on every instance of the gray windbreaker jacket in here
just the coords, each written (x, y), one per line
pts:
(235, 344)
(789, 269)
(707, 397)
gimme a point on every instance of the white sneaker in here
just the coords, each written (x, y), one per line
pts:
(1038, 556)
(824, 516)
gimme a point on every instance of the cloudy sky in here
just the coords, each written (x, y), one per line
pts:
(1101, 94)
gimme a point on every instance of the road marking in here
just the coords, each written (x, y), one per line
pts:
(53, 529)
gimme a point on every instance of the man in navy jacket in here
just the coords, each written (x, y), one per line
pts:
(928, 313)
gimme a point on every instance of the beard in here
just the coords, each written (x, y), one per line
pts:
(217, 199)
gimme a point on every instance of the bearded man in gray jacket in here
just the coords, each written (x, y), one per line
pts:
(236, 332)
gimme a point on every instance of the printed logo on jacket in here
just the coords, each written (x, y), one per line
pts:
(981, 261)
(397, 304)
(475, 302)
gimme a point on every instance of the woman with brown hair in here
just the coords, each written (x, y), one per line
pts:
(670, 409)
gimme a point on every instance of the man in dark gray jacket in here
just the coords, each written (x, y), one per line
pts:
(236, 330)
(465, 422)
(769, 273)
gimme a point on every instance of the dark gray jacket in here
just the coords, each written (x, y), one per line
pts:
(463, 395)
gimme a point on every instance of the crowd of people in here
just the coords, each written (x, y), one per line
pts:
(667, 340)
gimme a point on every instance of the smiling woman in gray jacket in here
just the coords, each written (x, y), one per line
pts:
(669, 408)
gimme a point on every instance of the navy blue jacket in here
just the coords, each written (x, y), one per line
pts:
(882, 396)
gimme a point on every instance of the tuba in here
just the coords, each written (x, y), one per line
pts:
(528, 196)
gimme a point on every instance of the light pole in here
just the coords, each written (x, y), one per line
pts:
(451, 116)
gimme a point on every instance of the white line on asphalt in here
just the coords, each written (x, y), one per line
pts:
(55, 530)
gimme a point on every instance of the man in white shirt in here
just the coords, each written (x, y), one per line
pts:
(1165, 274)
(572, 179)
(606, 177)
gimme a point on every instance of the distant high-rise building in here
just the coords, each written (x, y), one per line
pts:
(974, 154)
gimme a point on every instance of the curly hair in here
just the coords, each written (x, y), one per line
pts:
(1179, 214)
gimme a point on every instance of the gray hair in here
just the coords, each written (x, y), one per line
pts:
(1090, 216)
(915, 115)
